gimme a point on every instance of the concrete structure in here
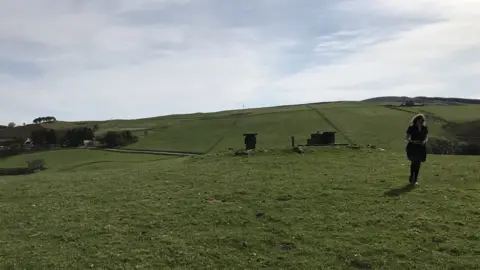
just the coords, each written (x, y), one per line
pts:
(250, 141)
(322, 138)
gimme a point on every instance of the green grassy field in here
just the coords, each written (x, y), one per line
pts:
(194, 136)
(452, 113)
(330, 208)
(375, 125)
(79, 159)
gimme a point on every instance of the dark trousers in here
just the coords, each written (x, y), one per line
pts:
(415, 170)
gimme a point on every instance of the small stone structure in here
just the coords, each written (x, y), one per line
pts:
(411, 103)
(35, 165)
(250, 141)
(322, 138)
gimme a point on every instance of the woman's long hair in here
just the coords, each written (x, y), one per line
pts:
(419, 117)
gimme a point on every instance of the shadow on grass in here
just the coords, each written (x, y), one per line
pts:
(15, 171)
(399, 191)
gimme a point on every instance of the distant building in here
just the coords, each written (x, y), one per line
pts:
(28, 143)
(411, 103)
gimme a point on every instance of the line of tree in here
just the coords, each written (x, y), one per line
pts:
(67, 138)
(46, 119)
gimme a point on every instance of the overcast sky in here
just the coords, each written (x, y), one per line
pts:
(102, 59)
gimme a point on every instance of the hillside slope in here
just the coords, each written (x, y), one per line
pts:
(429, 100)
(355, 122)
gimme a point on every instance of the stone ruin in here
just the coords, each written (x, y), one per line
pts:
(36, 165)
(322, 138)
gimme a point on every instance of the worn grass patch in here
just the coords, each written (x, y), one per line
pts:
(329, 208)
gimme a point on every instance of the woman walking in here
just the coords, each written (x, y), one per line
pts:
(417, 136)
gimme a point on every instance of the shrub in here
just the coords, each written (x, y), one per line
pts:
(464, 148)
(51, 137)
(441, 146)
(113, 139)
(75, 137)
(39, 137)
(119, 138)
(100, 139)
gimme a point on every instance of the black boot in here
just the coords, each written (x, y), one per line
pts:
(412, 174)
(411, 179)
(416, 173)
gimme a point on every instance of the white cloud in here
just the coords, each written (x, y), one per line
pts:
(191, 56)
(418, 61)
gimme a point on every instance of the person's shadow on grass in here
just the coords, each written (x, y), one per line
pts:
(399, 191)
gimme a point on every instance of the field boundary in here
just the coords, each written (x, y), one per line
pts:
(234, 124)
(399, 109)
(427, 113)
(330, 123)
(435, 117)
(70, 168)
(148, 152)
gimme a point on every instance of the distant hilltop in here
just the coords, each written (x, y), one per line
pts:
(427, 100)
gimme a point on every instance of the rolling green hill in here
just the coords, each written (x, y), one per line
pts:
(450, 113)
(355, 122)
(427, 100)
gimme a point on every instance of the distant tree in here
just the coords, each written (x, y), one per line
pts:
(96, 127)
(119, 138)
(75, 137)
(114, 139)
(47, 119)
(12, 125)
(50, 119)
